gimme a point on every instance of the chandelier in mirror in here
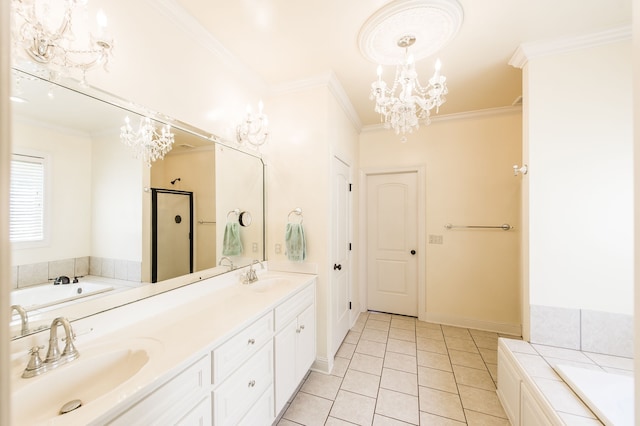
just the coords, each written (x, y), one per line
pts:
(56, 34)
(407, 101)
(146, 142)
(254, 129)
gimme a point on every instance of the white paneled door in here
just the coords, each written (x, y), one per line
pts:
(392, 243)
(340, 268)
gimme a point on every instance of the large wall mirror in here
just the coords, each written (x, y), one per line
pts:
(85, 208)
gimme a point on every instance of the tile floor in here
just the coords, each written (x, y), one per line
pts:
(395, 370)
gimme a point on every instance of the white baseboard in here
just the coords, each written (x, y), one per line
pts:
(497, 327)
(322, 365)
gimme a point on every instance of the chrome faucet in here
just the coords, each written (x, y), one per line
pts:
(231, 267)
(54, 358)
(24, 318)
(250, 276)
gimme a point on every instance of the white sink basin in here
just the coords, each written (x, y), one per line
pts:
(98, 371)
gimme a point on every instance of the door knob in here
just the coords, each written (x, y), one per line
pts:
(413, 252)
(338, 267)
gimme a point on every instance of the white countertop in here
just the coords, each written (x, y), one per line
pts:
(186, 323)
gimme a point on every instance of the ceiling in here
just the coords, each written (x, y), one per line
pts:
(287, 40)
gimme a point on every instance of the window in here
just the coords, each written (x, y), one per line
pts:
(27, 199)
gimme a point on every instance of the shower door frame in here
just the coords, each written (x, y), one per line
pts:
(154, 228)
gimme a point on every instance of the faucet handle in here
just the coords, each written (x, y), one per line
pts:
(34, 367)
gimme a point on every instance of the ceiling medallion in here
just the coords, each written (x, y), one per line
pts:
(433, 23)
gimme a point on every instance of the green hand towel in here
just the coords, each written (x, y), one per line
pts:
(295, 242)
(231, 244)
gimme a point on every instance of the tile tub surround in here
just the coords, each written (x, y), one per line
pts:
(537, 363)
(582, 329)
(393, 369)
(43, 272)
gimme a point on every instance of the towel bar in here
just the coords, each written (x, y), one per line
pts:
(504, 226)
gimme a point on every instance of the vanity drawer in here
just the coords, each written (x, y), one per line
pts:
(231, 354)
(290, 309)
(236, 396)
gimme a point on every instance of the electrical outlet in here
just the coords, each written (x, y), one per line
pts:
(435, 239)
(278, 248)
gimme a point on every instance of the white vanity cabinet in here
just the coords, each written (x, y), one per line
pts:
(183, 400)
(295, 343)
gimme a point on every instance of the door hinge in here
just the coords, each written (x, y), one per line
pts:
(349, 246)
(350, 187)
(349, 305)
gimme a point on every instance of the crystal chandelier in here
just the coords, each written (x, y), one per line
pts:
(55, 34)
(254, 129)
(146, 142)
(413, 102)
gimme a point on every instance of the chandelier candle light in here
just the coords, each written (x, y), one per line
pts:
(255, 128)
(49, 33)
(146, 142)
(403, 111)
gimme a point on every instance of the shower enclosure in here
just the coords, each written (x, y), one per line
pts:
(171, 234)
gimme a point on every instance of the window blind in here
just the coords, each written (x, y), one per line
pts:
(26, 199)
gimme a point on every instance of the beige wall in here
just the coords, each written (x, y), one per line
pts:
(472, 279)
(68, 186)
(581, 192)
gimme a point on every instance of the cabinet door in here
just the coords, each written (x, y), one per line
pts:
(306, 344)
(285, 375)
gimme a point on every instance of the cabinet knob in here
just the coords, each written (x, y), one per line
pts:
(252, 383)
(251, 342)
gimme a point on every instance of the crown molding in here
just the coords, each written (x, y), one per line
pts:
(328, 80)
(527, 51)
(177, 14)
(457, 116)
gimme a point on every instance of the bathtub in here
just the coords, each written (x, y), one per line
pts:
(42, 296)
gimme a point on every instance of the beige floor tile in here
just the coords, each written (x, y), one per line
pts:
(430, 333)
(467, 359)
(402, 362)
(353, 408)
(308, 409)
(361, 383)
(486, 342)
(323, 385)
(379, 420)
(372, 348)
(493, 370)
(352, 337)
(402, 334)
(380, 316)
(332, 421)
(424, 324)
(346, 350)
(401, 346)
(437, 379)
(427, 419)
(444, 404)
(431, 345)
(340, 366)
(399, 406)
(473, 377)
(399, 381)
(480, 419)
(374, 335)
(489, 355)
(458, 332)
(467, 345)
(403, 323)
(285, 422)
(377, 325)
(434, 360)
(366, 364)
(480, 400)
(358, 327)
(483, 333)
